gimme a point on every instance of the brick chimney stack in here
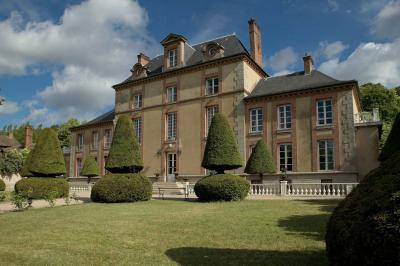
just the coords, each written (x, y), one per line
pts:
(28, 136)
(255, 42)
(143, 59)
(308, 64)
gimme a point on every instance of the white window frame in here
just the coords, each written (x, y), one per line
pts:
(329, 157)
(107, 138)
(284, 114)
(137, 101)
(211, 111)
(80, 142)
(95, 140)
(171, 163)
(172, 95)
(287, 148)
(79, 166)
(137, 126)
(173, 57)
(212, 86)
(171, 126)
(256, 120)
(326, 115)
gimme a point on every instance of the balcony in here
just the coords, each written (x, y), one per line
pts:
(367, 117)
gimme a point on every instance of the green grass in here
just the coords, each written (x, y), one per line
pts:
(168, 233)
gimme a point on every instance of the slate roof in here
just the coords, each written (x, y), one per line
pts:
(294, 82)
(193, 54)
(106, 117)
(6, 142)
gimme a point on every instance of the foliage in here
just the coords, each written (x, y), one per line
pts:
(25, 168)
(19, 201)
(47, 159)
(221, 152)
(128, 187)
(222, 187)
(365, 228)
(124, 156)
(260, 160)
(64, 132)
(11, 163)
(3, 196)
(392, 143)
(2, 185)
(51, 197)
(40, 188)
(90, 167)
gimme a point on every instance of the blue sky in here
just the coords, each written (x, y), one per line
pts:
(59, 59)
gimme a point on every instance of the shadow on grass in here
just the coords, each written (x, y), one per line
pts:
(325, 205)
(225, 256)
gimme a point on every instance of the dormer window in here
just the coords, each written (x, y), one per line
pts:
(172, 56)
(212, 50)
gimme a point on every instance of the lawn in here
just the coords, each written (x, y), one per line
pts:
(275, 232)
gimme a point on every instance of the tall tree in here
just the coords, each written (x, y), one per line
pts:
(222, 151)
(64, 132)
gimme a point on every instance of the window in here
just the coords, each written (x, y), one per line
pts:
(211, 111)
(212, 86)
(256, 120)
(325, 151)
(107, 138)
(137, 124)
(105, 171)
(251, 149)
(284, 117)
(95, 140)
(171, 126)
(137, 101)
(171, 95)
(79, 143)
(79, 166)
(172, 57)
(285, 157)
(324, 111)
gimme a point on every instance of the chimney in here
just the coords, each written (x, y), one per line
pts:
(255, 42)
(143, 59)
(308, 64)
(28, 136)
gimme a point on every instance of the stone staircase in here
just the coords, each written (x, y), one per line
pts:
(171, 188)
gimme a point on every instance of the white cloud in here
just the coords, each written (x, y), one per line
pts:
(213, 26)
(283, 59)
(386, 22)
(8, 107)
(330, 50)
(369, 62)
(95, 43)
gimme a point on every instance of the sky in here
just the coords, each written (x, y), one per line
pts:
(59, 59)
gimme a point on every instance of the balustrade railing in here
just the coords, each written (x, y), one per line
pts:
(265, 189)
(320, 189)
(80, 187)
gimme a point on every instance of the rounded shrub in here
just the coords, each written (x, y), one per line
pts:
(2, 185)
(223, 187)
(41, 187)
(365, 227)
(128, 187)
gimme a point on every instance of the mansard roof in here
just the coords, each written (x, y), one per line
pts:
(193, 54)
(104, 118)
(293, 82)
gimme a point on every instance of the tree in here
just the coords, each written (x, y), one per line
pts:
(11, 163)
(393, 141)
(64, 132)
(260, 160)
(47, 159)
(124, 156)
(221, 152)
(397, 89)
(90, 168)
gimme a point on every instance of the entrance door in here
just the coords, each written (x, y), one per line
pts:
(171, 167)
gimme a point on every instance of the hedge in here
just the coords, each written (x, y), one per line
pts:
(260, 160)
(90, 167)
(221, 152)
(392, 144)
(223, 187)
(40, 187)
(128, 187)
(2, 185)
(124, 156)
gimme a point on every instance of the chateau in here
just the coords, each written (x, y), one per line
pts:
(313, 123)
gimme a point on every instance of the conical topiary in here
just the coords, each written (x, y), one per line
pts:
(90, 167)
(221, 152)
(393, 141)
(124, 156)
(47, 159)
(260, 160)
(25, 168)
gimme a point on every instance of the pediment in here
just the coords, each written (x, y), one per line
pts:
(172, 37)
